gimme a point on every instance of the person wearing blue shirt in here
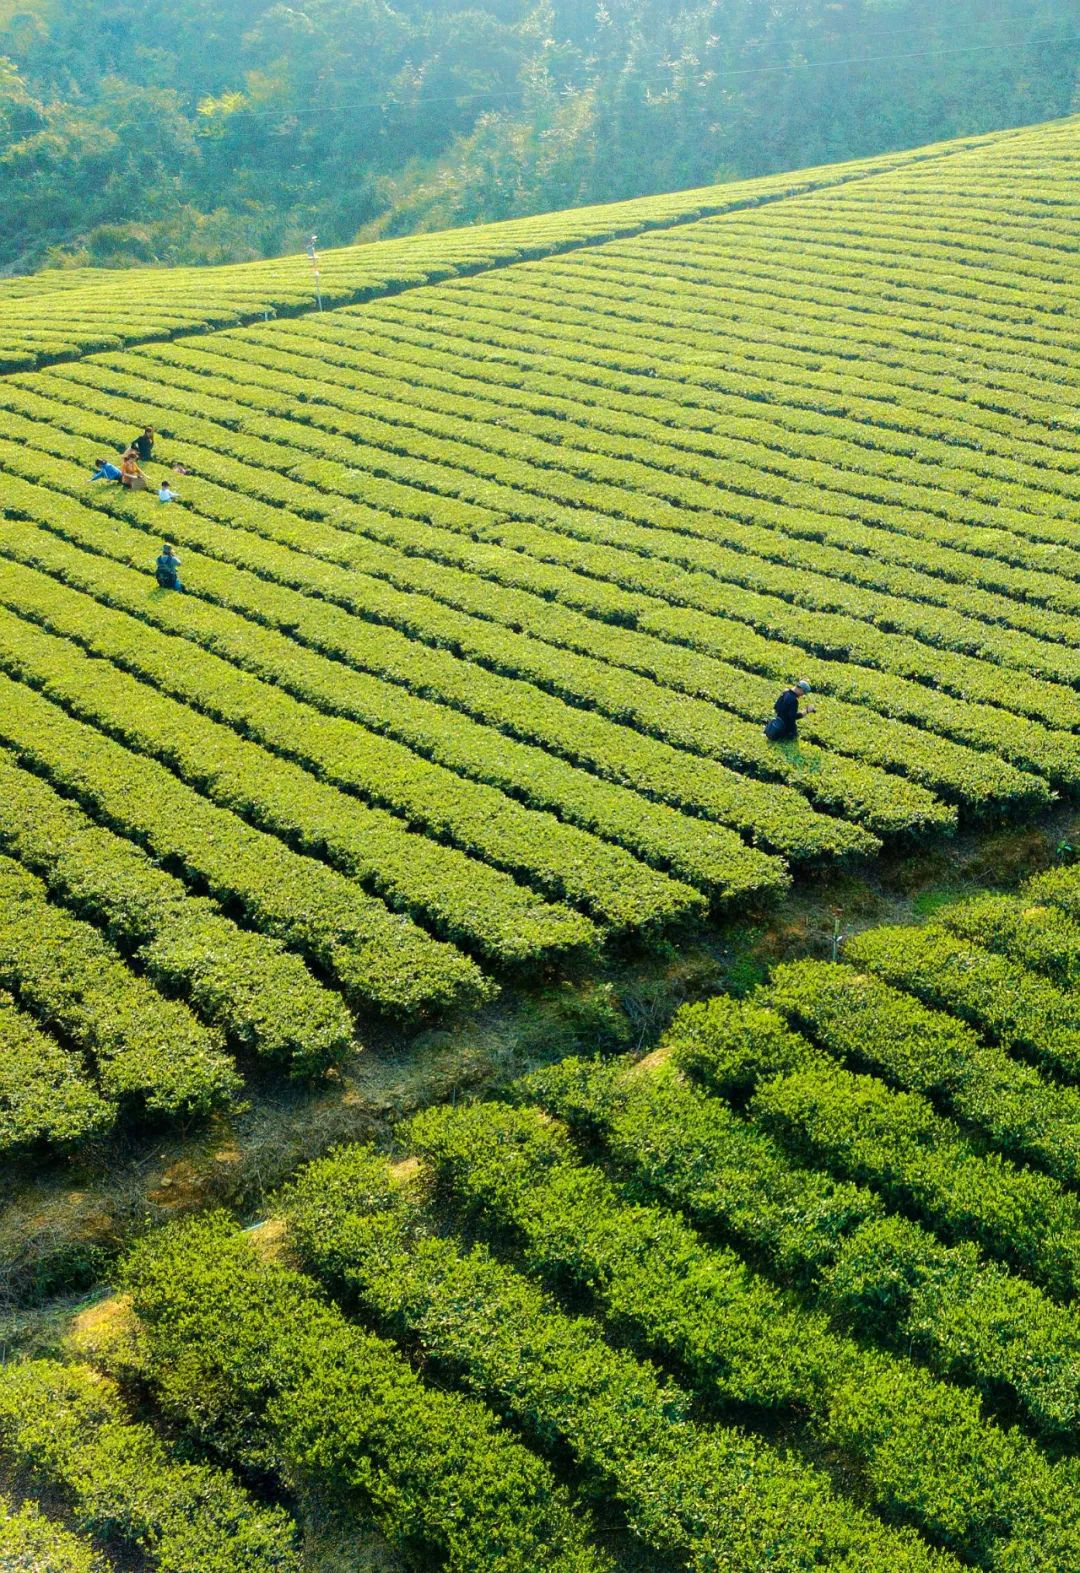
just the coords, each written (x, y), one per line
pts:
(166, 569)
(105, 471)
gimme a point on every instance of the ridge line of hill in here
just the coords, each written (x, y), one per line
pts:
(817, 179)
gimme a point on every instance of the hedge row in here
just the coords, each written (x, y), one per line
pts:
(918, 1449)
(884, 802)
(771, 811)
(843, 727)
(601, 353)
(1040, 937)
(695, 258)
(560, 860)
(677, 334)
(253, 1357)
(31, 1543)
(866, 1023)
(454, 353)
(458, 896)
(911, 567)
(897, 1143)
(378, 957)
(510, 484)
(67, 1426)
(704, 853)
(144, 1047)
(988, 729)
(908, 388)
(711, 1496)
(968, 677)
(42, 322)
(45, 1094)
(370, 401)
(248, 985)
(1060, 887)
(763, 474)
(877, 1276)
(1010, 1005)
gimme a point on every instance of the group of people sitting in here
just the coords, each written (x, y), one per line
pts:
(129, 472)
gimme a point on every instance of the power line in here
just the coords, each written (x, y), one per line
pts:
(717, 76)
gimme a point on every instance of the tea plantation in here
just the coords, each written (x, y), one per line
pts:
(492, 570)
(490, 587)
(796, 1290)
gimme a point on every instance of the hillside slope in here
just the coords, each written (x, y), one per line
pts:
(61, 314)
(490, 588)
(796, 1289)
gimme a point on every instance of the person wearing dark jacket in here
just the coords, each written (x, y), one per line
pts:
(784, 724)
(144, 445)
(166, 570)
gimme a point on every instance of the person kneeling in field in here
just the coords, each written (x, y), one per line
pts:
(105, 471)
(784, 724)
(167, 569)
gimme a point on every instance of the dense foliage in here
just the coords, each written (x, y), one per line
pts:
(685, 1280)
(219, 131)
(489, 589)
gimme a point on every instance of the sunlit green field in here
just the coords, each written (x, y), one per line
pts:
(493, 569)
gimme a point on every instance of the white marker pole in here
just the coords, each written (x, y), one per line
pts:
(314, 255)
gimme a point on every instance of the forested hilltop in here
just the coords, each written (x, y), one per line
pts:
(222, 130)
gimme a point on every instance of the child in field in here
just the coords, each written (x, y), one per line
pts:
(166, 493)
(105, 471)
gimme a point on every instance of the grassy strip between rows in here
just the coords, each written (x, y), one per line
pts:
(67, 1426)
(255, 1359)
(711, 1496)
(248, 985)
(145, 1048)
(378, 957)
(917, 1448)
